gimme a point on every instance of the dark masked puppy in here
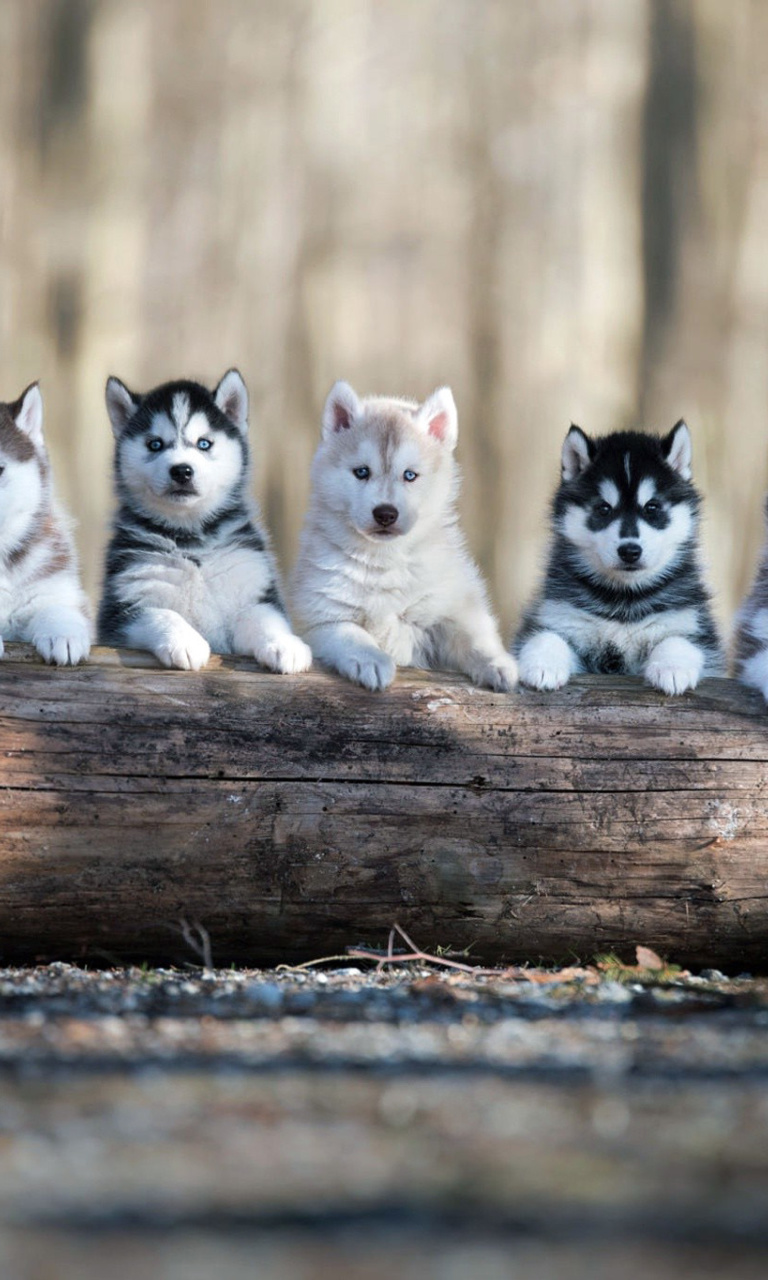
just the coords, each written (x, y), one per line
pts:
(623, 590)
(188, 568)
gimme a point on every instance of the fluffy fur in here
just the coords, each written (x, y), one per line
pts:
(384, 578)
(623, 590)
(751, 642)
(41, 600)
(188, 568)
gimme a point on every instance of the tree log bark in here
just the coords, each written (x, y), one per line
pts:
(291, 817)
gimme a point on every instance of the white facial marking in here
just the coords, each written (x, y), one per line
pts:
(609, 492)
(645, 491)
(627, 469)
(180, 410)
(198, 425)
(599, 548)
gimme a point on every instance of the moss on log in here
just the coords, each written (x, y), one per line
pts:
(290, 817)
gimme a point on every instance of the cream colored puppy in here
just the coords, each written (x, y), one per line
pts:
(384, 578)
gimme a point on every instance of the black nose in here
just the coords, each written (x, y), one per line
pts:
(385, 514)
(182, 473)
(630, 552)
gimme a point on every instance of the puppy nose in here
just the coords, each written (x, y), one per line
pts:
(385, 514)
(630, 552)
(182, 473)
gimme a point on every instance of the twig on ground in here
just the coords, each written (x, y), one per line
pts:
(200, 944)
(415, 953)
(308, 964)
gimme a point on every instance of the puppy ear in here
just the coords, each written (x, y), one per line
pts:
(439, 418)
(121, 405)
(578, 452)
(231, 396)
(677, 449)
(341, 411)
(27, 413)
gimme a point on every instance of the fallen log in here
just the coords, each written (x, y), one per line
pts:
(270, 819)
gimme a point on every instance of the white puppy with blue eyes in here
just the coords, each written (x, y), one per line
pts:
(384, 578)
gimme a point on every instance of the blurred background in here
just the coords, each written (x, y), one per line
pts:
(559, 207)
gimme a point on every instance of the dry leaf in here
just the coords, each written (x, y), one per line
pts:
(648, 959)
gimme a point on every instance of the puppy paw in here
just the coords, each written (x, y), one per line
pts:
(373, 671)
(672, 678)
(674, 665)
(545, 662)
(287, 655)
(63, 651)
(501, 675)
(2, 647)
(187, 651)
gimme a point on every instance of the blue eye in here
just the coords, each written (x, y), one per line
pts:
(155, 444)
(204, 444)
(362, 473)
(409, 476)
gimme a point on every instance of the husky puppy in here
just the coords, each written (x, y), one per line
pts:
(41, 600)
(751, 643)
(384, 577)
(623, 590)
(188, 567)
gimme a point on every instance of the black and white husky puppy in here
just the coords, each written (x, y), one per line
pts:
(751, 642)
(623, 590)
(188, 568)
(41, 600)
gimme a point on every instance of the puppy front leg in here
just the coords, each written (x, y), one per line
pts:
(266, 633)
(351, 651)
(61, 634)
(478, 653)
(674, 665)
(170, 637)
(547, 661)
(753, 671)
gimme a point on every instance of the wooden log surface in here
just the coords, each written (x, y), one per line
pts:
(291, 817)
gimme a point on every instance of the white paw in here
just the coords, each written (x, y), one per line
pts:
(2, 647)
(671, 677)
(374, 672)
(545, 661)
(64, 651)
(674, 665)
(287, 655)
(500, 675)
(189, 651)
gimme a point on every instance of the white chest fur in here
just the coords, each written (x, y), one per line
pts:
(210, 587)
(589, 634)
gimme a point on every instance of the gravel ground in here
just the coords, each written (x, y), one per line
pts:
(416, 1121)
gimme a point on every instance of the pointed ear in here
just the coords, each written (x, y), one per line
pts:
(231, 396)
(578, 452)
(677, 449)
(439, 418)
(27, 413)
(121, 405)
(342, 409)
